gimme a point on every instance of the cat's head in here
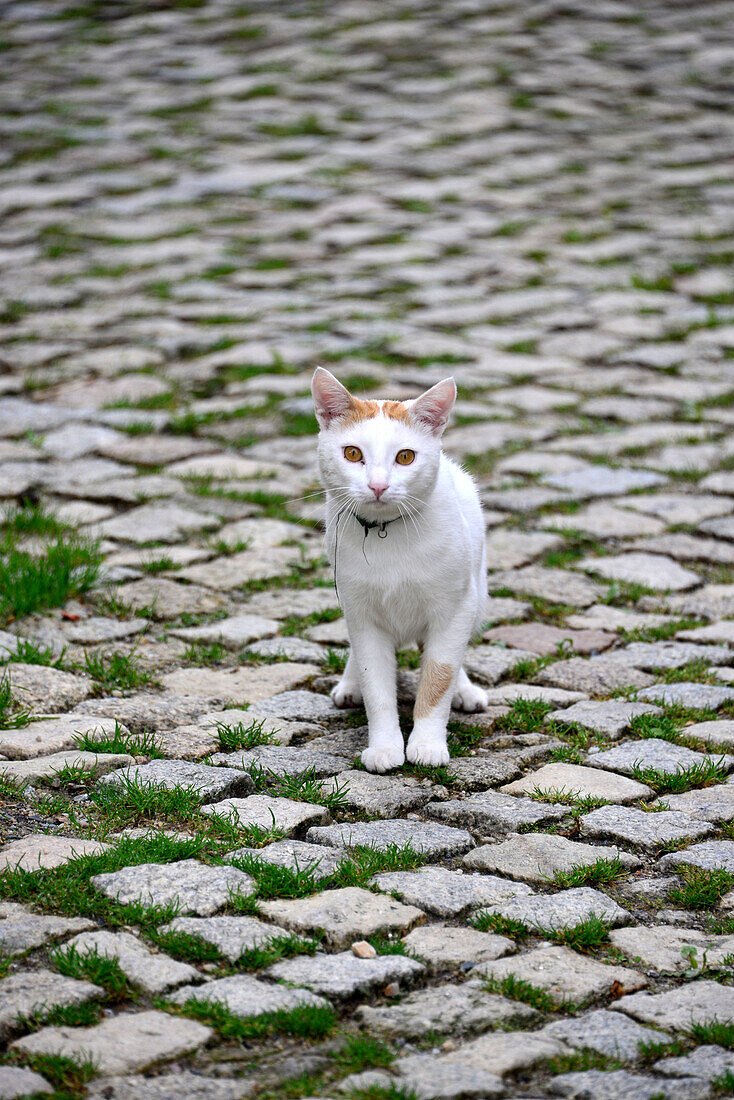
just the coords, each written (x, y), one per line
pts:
(381, 456)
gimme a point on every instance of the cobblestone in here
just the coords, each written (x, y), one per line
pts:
(201, 202)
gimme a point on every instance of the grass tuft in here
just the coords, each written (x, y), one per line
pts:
(303, 1022)
(240, 736)
(594, 874)
(11, 716)
(701, 889)
(707, 773)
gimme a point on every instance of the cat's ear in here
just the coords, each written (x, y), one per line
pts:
(330, 398)
(431, 410)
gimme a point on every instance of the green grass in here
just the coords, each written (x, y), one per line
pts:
(334, 661)
(68, 1076)
(560, 796)
(589, 933)
(31, 654)
(113, 671)
(206, 655)
(594, 874)
(714, 1033)
(463, 737)
(502, 926)
(132, 801)
(80, 1015)
(275, 949)
(64, 566)
(580, 1061)
(240, 736)
(12, 717)
(187, 947)
(304, 1022)
(524, 716)
(134, 744)
(707, 773)
(517, 989)
(304, 787)
(701, 889)
(91, 966)
(361, 1052)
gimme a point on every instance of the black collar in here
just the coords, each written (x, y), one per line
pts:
(368, 525)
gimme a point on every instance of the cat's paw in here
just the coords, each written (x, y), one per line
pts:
(346, 695)
(427, 750)
(383, 758)
(470, 699)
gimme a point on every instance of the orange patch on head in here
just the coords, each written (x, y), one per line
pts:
(435, 681)
(360, 410)
(396, 410)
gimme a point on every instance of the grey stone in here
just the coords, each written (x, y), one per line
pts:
(16, 1083)
(721, 632)
(153, 972)
(648, 831)
(603, 481)
(288, 761)
(607, 1032)
(193, 1086)
(427, 838)
(447, 893)
(47, 690)
(167, 599)
(121, 1044)
(57, 733)
(576, 781)
(651, 570)
(555, 585)
(564, 909)
(537, 857)
(707, 1063)
(191, 886)
(610, 717)
(344, 974)
(490, 663)
(299, 706)
(200, 779)
(21, 929)
(594, 1084)
(654, 752)
(660, 947)
(230, 935)
(157, 523)
(267, 812)
(46, 769)
(281, 733)
(710, 855)
(298, 855)
(246, 996)
(379, 795)
(445, 1009)
(698, 1002)
(492, 812)
(26, 992)
(489, 1055)
(714, 804)
(543, 639)
(343, 915)
(564, 974)
(703, 696)
(656, 655)
(442, 947)
(38, 851)
(233, 632)
(594, 675)
(235, 686)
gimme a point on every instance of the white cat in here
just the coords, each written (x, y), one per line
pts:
(405, 535)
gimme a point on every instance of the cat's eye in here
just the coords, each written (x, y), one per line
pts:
(352, 454)
(404, 458)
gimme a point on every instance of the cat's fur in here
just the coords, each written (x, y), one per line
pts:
(423, 582)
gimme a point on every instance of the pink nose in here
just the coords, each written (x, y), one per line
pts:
(378, 489)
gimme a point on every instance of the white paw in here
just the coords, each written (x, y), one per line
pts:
(346, 695)
(382, 758)
(470, 699)
(427, 750)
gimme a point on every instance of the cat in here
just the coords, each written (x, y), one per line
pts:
(405, 535)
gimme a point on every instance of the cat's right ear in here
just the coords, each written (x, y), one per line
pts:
(331, 399)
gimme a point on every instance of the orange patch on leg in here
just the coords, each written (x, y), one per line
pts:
(436, 679)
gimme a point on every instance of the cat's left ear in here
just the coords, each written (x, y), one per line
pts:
(431, 410)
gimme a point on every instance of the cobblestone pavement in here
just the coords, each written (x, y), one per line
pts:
(203, 895)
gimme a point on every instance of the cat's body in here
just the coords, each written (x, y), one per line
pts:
(406, 537)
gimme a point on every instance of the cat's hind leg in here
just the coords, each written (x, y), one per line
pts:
(348, 693)
(467, 696)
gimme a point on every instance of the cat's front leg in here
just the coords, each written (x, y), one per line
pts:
(374, 655)
(443, 654)
(348, 692)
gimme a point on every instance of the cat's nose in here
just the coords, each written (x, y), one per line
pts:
(378, 488)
